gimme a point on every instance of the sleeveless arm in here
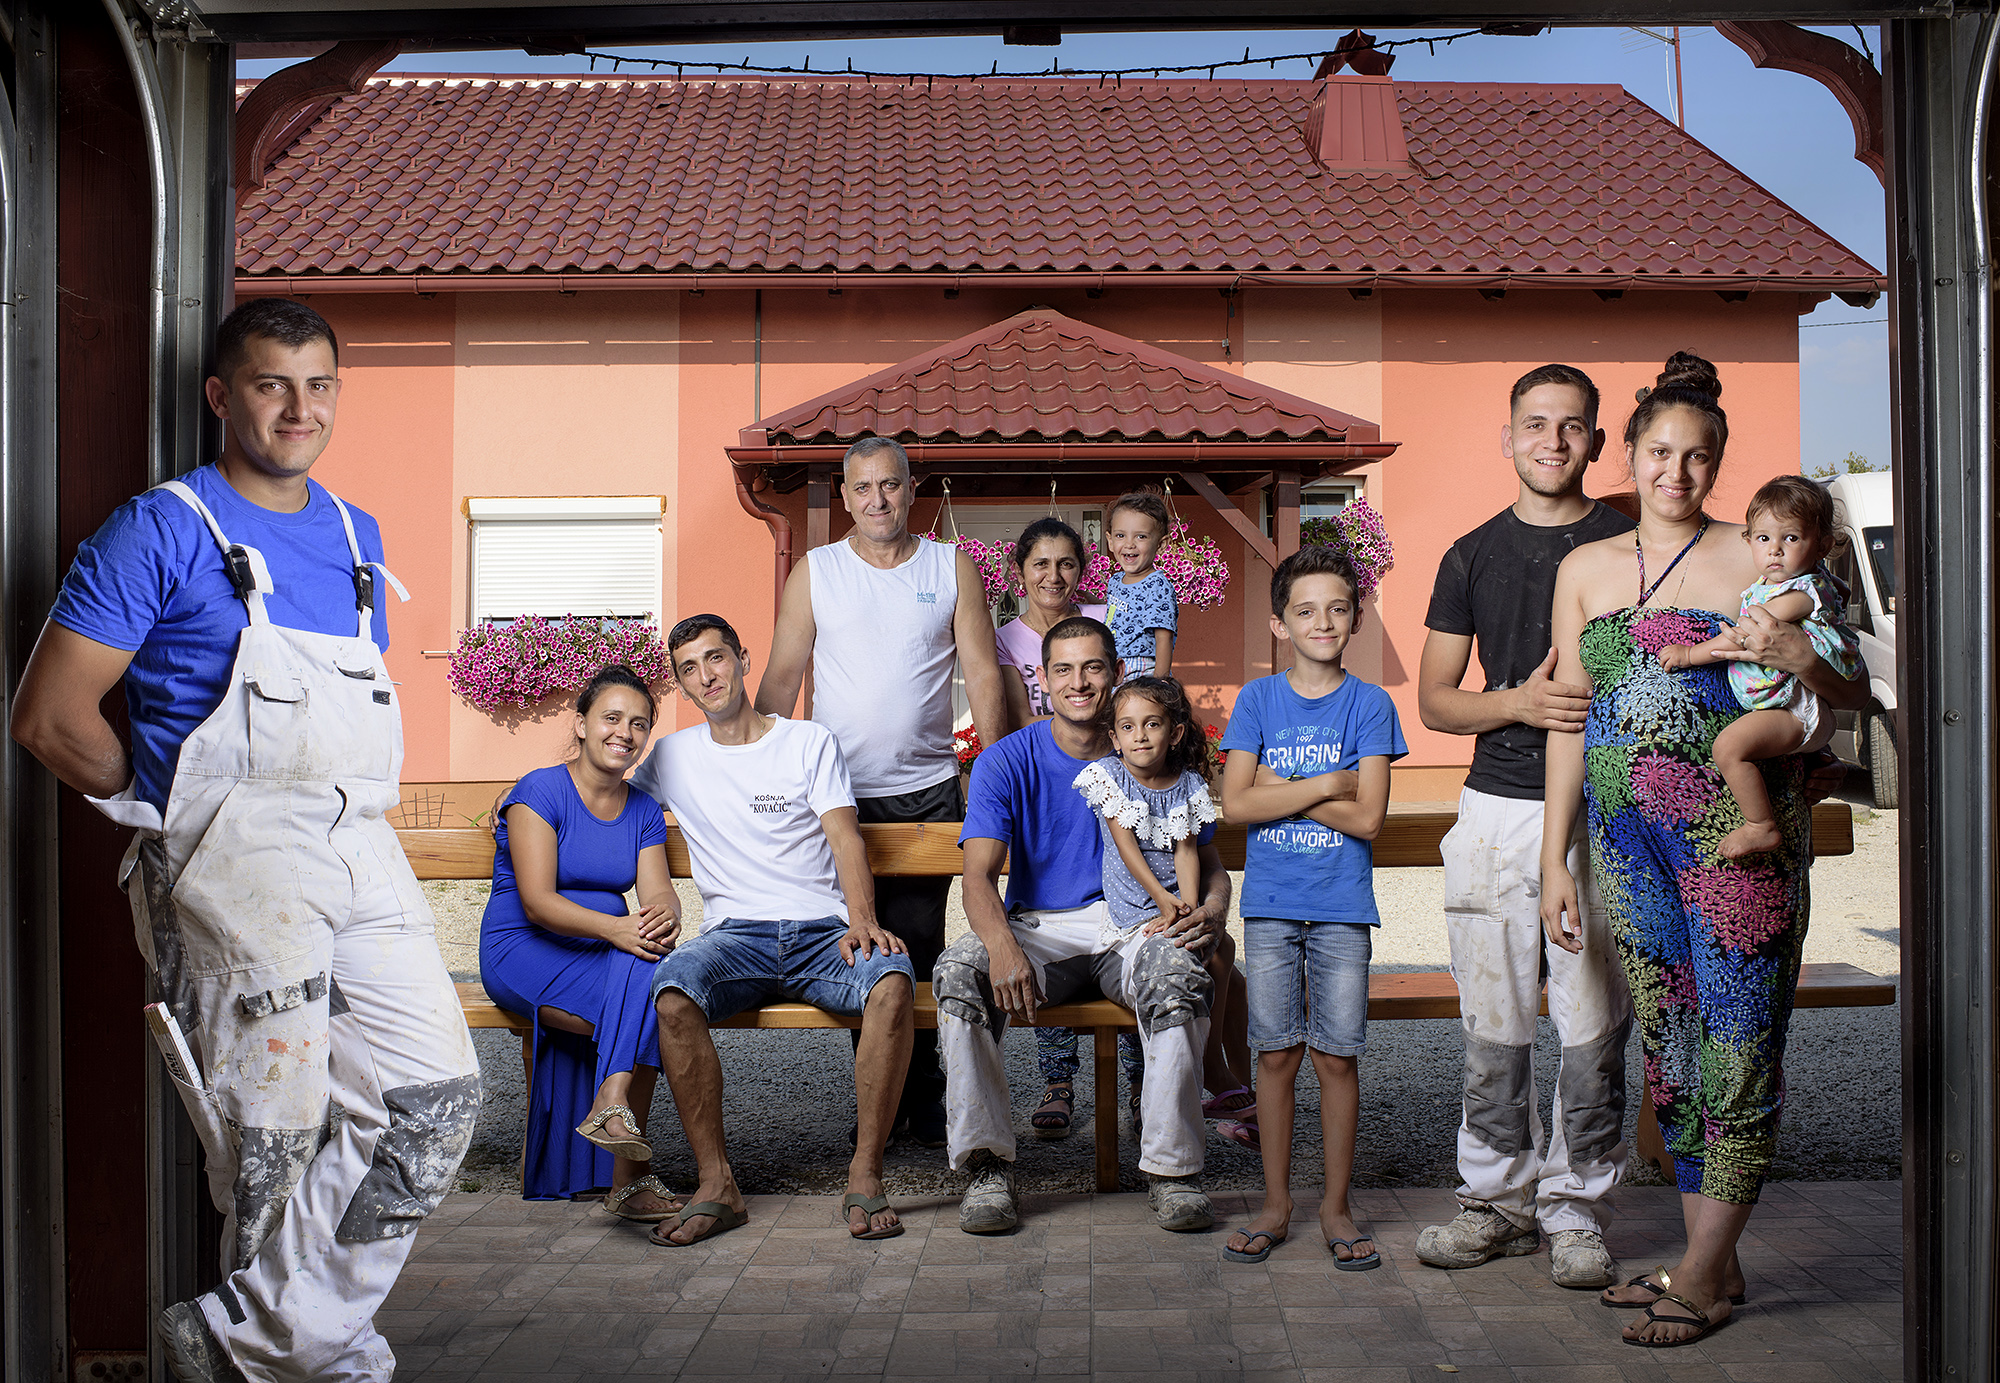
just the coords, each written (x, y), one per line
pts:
(978, 656)
(791, 647)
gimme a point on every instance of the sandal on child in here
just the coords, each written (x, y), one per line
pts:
(614, 1202)
(1053, 1119)
(1228, 1102)
(1242, 1132)
(632, 1149)
(1357, 1262)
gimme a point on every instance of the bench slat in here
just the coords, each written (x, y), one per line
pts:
(1410, 838)
(1391, 997)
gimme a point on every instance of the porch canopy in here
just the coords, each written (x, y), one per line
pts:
(1039, 403)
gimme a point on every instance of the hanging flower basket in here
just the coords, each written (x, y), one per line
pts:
(1358, 531)
(990, 558)
(524, 662)
(1194, 566)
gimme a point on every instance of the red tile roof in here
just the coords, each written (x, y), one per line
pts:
(625, 175)
(1039, 377)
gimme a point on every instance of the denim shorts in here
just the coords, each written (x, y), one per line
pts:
(1308, 984)
(735, 965)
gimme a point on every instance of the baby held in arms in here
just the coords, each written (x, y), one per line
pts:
(1790, 530)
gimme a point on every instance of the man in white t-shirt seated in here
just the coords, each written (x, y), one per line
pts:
(788, 914)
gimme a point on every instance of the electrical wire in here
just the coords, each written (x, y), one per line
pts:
(1055, 69)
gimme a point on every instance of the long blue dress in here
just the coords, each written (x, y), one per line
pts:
(525, 966)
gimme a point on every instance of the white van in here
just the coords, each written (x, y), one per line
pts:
(1865, 513)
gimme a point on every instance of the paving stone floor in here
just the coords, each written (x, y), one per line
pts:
(506, 1291)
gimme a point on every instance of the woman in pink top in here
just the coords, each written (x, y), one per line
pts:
(1048, 562)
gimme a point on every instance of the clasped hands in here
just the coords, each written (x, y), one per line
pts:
(1013, 977)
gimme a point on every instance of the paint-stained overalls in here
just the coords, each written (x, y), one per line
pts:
(295, 948)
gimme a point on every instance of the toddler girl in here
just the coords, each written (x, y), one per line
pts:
(1790, 530)
(1143, 615)
(1154, 813)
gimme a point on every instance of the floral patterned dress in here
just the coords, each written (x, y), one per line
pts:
(1710, 946)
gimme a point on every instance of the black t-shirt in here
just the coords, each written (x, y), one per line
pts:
(1497, 585)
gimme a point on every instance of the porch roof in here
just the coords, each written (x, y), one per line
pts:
(1044, 386)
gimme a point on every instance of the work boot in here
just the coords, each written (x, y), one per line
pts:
(1578, 1258)
(1179, 1203)
(988, 1205)
(1480, 1232)
(191, 1351)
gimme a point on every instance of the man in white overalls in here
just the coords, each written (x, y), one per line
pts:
(338, 1087)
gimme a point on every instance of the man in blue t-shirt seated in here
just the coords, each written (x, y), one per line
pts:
(1054, 940)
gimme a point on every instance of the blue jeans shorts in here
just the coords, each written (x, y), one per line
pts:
(736, 965)
(1308, 984)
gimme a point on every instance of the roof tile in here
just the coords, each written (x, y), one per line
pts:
(633, 175)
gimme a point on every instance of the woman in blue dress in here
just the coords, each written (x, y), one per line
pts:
(558, 942)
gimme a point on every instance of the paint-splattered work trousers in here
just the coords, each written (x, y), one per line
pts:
(342, 1096)
(1073, 952)
(1492, 874)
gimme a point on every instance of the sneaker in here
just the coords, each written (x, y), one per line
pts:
(1179, 1204)
(190, 1349)
(988, 1205)
(1479, 1233)
(1578, 1258)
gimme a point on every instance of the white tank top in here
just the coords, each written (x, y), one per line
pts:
(882, 660)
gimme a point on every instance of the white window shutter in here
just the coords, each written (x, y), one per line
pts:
(590, 556)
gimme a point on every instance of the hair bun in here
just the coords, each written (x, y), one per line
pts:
(1686, 370)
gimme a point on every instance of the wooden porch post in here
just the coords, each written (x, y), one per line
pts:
(819, 505)
(1286, 529)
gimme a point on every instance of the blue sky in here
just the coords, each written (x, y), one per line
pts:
(1787, 132)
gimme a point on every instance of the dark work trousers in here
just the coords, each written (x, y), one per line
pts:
(914, 910)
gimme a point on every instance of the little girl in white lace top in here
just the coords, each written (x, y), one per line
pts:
(1152, 803)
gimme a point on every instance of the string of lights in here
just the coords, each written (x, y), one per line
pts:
(1055, 69)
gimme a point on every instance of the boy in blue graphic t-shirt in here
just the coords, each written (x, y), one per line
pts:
(1308, 754)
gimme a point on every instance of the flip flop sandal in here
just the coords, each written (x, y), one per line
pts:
(1361, 1263)
(724, 1218)
(614, 1201)
(632, 1149)
(1242, 1132)
(1253, 1254)
(1223, 1105)
(871, 1206)
(1050, 1123)
(1658, 1289)
(1700, 1318)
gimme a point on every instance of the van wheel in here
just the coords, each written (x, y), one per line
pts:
(1882, 760)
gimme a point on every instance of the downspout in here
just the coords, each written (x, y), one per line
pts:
(781, 533)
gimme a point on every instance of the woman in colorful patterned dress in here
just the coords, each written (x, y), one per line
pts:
(1710, 946)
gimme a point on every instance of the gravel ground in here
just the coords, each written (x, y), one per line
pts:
(1843, 1113)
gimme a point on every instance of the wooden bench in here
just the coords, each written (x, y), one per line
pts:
(1410, 838)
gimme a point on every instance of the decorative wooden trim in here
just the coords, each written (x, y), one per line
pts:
(284, 105)
(1833, 64)
(1246, 528)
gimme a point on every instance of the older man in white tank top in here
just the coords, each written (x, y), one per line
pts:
(881, 616)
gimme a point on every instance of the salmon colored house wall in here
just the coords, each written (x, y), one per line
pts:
(484, 394)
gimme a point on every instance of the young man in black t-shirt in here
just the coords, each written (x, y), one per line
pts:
(1495, 586)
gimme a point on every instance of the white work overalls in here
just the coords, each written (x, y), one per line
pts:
(295, 948)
